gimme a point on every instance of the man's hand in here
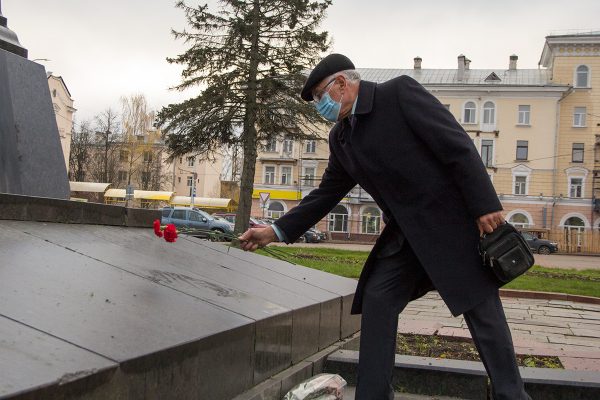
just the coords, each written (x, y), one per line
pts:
(255, 238)
(488, 222)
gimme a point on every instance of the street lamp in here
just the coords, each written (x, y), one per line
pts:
(194, 177)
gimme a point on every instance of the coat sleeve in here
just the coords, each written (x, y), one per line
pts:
(335, 184)
(442, 134)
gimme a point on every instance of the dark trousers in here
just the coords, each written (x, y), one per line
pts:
(389, 288)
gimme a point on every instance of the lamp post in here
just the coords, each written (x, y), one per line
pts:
(8, 39)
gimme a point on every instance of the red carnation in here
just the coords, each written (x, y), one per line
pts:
(170, 233)
(157, 230)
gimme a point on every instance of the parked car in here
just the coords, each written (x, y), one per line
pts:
(254, 223)
(193, 218)
(228, 216)
(313, 236)
(540, 246)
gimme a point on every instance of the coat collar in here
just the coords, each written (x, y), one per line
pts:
(366, 95)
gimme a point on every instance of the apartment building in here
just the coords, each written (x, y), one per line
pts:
(62, 102)
(536, 131)
(206, 173)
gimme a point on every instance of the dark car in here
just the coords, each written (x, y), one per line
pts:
(540, 246)
(313, 236)
(253, 223)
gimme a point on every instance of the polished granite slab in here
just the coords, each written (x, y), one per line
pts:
(153, 307)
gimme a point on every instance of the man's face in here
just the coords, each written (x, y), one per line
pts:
(322, 88)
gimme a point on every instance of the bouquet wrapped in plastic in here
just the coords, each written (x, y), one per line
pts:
(319, 387)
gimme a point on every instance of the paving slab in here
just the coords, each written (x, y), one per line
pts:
(570, 334)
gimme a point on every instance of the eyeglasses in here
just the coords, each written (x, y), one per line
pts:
(317, 96)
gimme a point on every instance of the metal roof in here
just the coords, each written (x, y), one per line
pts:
(518, 77)
(95, 187)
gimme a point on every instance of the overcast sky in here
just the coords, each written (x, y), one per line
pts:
(105, 49)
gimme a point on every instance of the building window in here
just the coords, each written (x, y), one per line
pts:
(371, 221)
(489, 114)
(123, 155)
(576, 187)
(191, 161)
(271, 145)
(469, 114)
(487, 152)
(147, 156)
(178, 179)
(190, 181)
(338, 219)
(520, 185)
(311, 146)
(275, 210)
(578, 152)
(309, 176)
(579, 116)
(269, 175)
(519, 220)
(582, 78)
(286, 175)
(524, 115)
(54, 93)
(522, 150)
(288, 145)
(122, 176)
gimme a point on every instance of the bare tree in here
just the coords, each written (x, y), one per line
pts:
(136, 122)
(105, 162)
(81, 147)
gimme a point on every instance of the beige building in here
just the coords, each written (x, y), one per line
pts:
(64, 110)
(206, 173)
(536, 130)
(286, 171)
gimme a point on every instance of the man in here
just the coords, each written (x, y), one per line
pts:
(400, 144)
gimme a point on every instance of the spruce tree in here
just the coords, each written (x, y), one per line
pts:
(249, 59)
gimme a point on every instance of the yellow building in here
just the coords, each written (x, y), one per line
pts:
(574, 60)
(286, 171)
(536, 130)
(64, 110)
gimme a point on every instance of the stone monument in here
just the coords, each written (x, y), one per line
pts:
(31, 158)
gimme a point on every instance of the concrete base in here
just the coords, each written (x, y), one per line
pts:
(31, 158)
(27, 208)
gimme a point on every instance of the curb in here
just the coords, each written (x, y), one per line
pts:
(529, 294)
(468, 379)
(278, 385)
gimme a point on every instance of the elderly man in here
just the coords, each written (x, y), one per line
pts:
(399, 143)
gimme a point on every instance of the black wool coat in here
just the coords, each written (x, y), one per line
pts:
(409, 152)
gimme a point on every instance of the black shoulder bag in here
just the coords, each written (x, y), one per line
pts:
(505, 252)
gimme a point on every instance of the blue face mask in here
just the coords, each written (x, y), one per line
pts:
(328, 108)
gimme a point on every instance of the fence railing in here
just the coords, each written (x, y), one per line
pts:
(573, 240)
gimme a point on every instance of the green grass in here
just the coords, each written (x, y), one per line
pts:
(569, 281)
(349, 264)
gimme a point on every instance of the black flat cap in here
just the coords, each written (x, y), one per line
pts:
(328, 66)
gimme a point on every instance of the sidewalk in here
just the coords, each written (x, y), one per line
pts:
(568, 330)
